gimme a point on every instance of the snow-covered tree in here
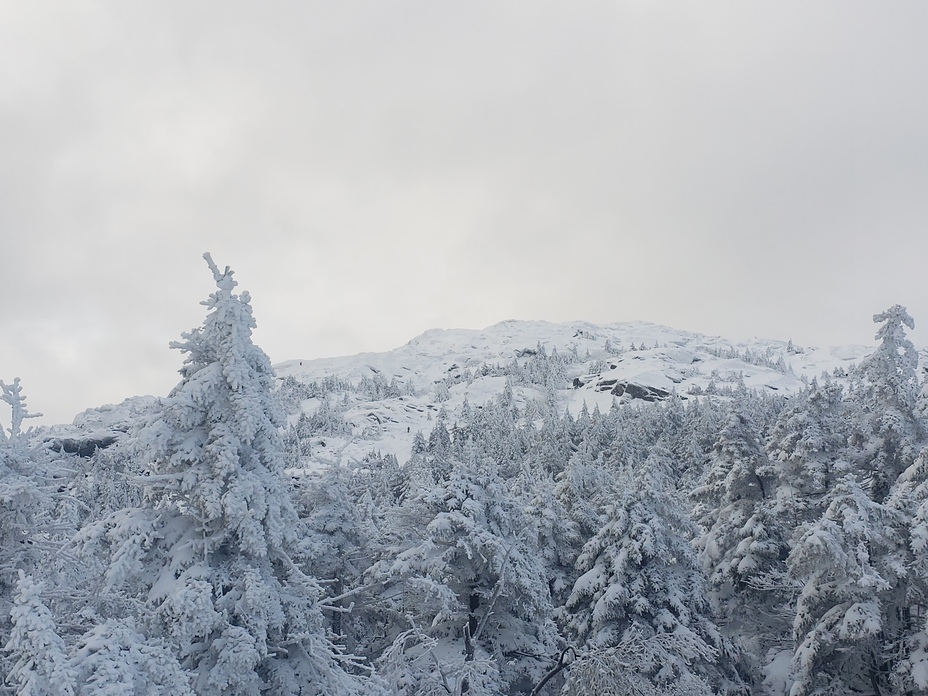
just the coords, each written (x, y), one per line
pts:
(741, 540)
(211, 561)
(888, 432)
(40, 665)
(13, 395)
(909, 499)
(335, 544)
(641, 579)
(113, 659)
(583, 490)
(25, 503)
(624, 670)
(848, 563)
(807, 446)
(468, 587)
(557, 538)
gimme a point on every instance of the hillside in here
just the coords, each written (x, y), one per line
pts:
(590, 363)
(534, 508)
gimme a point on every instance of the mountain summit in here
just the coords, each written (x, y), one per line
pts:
(386, 398)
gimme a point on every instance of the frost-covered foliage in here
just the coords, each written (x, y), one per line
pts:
(740, 538)
(40, 665)
(888, 429)
(13, 395)
(112, 658)
(805, 446)
(215, 450)
(209, 561)
(641, 579)
(229, 539)
(848, 562)
(909, 499)
(624, 670)
(743, 541)
(29, 531)
(468, 580)
(21, 503)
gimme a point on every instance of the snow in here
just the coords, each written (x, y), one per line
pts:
(480, 520)
(598, 356)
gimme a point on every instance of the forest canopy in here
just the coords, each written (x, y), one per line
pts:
(727, 540)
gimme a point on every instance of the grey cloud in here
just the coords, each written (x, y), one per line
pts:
(372, 170)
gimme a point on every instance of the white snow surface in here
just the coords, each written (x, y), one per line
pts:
(600, 357)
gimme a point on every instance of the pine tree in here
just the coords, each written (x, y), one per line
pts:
(113, 659)
(847, 563)
(740, 539)
(558, 538)
(25, 503)
(909, 500)
(641, 579)
(39, 657)
(583, 489)
(464, 581)
(335, 544)
(889, 432)
(807, 446)
(13, 395)
(211, 559)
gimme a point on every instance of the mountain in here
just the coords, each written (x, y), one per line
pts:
(561, 529)
(388, 397)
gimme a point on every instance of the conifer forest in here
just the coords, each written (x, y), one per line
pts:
(255, 531)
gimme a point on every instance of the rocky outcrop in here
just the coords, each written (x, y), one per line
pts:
(639, 391)
(82, 447)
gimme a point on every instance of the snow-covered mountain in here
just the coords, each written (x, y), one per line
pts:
(732, 510)
(395, 394)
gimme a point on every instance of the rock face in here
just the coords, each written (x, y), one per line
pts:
(83, 447)
(639, 391)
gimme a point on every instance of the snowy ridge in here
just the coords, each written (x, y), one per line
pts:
(706, 545)
(626, 361)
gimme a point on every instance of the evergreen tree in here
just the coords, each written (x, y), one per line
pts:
(909, 499)
(807, 446)
(13, 395)
(740, 539)
(25, 504)
(558, 538)
(467, 584)
(584, 489)
(641, 579)
(847, 563)
(113, 659)
(211, 559)
(889, 431)
(39, 658)
(335, 544)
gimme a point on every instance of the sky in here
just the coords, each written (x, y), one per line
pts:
(374, 169)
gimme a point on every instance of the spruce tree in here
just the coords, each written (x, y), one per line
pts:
(889, 431)
(463, 581)
(848, 563)
(40, 665)
(909, 499)
(740, 539)
(641, 581)
(211, 558)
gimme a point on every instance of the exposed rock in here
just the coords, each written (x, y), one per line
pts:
(82, 447)
(640, 391)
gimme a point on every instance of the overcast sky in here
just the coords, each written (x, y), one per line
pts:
(374, 169)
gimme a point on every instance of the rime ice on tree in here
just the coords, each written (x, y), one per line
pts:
(211, 557)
